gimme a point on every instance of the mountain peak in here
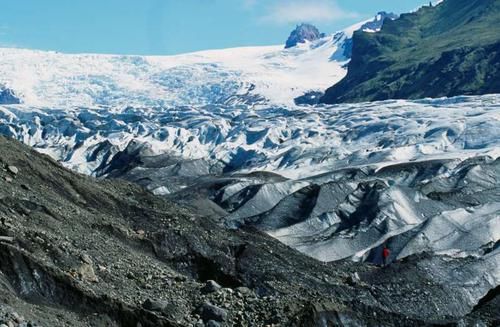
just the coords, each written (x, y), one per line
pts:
(376, 24)
(302, 33)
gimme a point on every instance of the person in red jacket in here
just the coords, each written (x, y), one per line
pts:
(385, 254)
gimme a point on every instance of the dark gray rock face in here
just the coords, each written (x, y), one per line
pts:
(303, 33)
(310, 98)
(7, 96)
(211, 312)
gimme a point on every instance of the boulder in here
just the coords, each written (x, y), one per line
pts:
(13, 169)
(211, 312)
(154, 305)
(210, 287)
(86, 273)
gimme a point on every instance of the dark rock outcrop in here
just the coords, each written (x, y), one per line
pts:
(310, 98)
(211, 312)
(303, 33)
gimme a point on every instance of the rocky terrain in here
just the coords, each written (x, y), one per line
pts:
(80, 252)
(445, 50)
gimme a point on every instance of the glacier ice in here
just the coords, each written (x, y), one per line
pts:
(332, 181)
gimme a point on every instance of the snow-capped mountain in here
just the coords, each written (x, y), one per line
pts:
(243, 75)
(251, 75)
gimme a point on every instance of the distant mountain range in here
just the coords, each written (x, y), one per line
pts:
(438, 51)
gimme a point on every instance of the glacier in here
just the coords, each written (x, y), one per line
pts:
(296, 142)
(219, 131)
(334, 182)
(231, 76)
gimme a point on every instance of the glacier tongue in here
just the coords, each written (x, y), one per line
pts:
(334, 182)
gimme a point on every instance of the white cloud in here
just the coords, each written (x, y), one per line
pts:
(314, 11)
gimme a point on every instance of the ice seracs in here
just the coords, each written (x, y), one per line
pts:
(231, 76)
(332, 181)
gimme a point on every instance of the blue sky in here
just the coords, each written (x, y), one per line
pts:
(173, 26)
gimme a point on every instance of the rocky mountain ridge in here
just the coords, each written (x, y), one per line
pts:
(438, 51)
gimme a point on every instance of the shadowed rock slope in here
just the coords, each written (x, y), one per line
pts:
(75, 251)
(443, 51)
